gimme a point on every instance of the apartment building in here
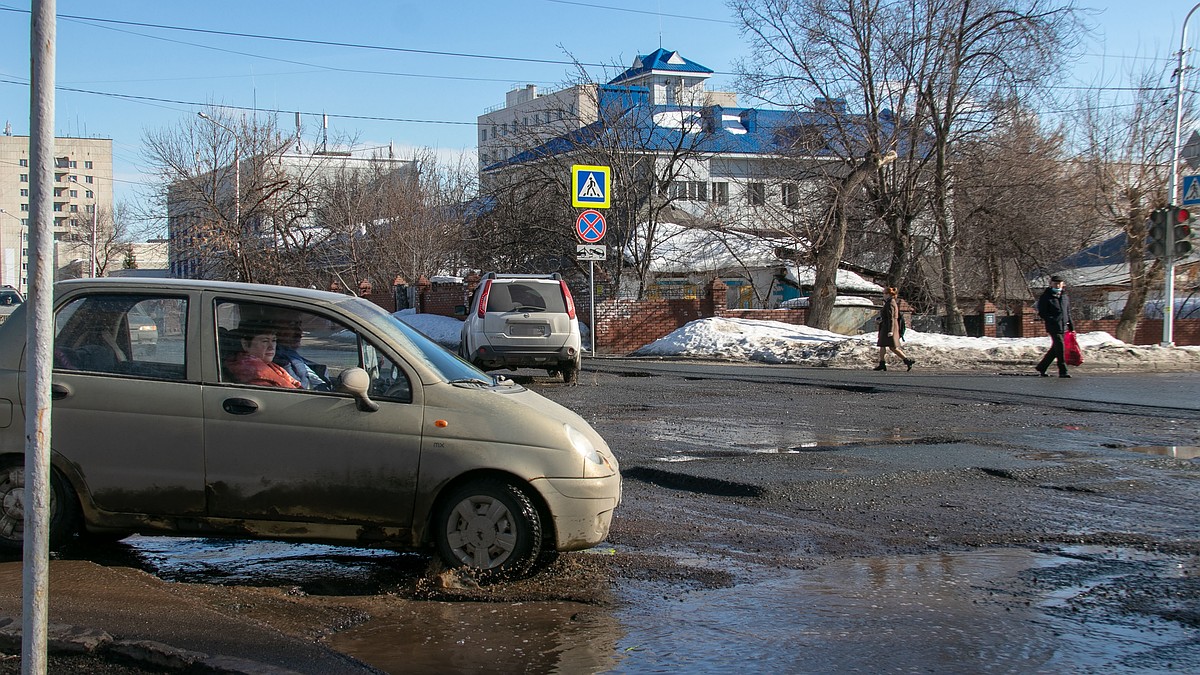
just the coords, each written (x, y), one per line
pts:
(82, 190)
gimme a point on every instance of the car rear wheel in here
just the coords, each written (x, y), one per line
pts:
(570, 372)
(63, 517)
(489, 525)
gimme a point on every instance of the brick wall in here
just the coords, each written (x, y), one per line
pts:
(1149, 331)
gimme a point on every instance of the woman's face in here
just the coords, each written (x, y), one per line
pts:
(261, 346)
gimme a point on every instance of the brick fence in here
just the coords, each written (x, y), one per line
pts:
(623, 326)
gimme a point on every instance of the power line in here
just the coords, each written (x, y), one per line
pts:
(195, 104)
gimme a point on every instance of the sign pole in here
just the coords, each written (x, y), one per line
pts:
(592, 296)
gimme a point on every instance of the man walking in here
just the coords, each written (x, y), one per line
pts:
(1054, 307)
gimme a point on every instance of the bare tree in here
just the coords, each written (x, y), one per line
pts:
(922, 73)
(1126, 157)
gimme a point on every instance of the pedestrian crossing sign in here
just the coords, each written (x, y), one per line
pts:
(1191, 190)
(591, 187)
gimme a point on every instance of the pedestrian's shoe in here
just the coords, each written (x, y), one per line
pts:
(881, 366)
(909, 363)
(1041, 371)
(1064, 374)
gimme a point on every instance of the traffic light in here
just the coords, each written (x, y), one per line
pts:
(1156, 232)
(1182, 230)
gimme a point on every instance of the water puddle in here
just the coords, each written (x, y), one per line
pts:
(1082, 609)
(986, 611)
(1175, 451)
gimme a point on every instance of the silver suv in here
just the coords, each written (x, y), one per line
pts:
(523, 320)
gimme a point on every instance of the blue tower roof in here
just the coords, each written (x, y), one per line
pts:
(661, 60)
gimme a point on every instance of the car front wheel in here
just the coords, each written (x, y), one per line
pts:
(489, 525)
(12, 513)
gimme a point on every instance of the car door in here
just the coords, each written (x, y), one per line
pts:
(284, 454)
(126, 414)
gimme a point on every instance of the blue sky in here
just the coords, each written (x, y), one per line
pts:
(415, 99)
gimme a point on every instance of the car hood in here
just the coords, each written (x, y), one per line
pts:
(506, 415)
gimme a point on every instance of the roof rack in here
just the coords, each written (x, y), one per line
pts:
(493, 275)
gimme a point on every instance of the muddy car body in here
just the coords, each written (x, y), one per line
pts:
(406, 447)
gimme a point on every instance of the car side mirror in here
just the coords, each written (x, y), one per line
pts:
(357, 383)
(460, 310)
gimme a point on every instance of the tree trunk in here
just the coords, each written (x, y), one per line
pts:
(828, 254)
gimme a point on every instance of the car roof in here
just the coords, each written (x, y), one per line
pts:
(165, 284)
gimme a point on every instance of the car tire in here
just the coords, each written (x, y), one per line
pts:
(490, 526)
(63, 509)
(570, 372)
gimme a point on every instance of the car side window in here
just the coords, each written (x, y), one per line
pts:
(129, 335)
(276, 346)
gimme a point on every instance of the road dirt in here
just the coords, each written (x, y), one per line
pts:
(797, 527)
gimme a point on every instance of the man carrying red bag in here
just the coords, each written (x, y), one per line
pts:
(1054, 307)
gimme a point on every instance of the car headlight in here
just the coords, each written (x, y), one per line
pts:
(583, 445)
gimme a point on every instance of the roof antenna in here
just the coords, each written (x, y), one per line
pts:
(660, 24)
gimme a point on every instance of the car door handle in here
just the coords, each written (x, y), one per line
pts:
(239, 406)
(59, 391)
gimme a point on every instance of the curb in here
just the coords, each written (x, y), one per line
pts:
(73, 640)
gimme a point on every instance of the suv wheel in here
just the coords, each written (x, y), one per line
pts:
(489, 525)
(570, 372)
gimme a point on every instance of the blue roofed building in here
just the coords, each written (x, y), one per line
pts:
(755, 170)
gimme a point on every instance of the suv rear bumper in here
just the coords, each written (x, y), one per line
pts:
(512, 357)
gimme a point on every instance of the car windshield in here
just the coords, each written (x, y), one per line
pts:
(444, 362)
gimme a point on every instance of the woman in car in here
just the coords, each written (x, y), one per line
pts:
(253, 364)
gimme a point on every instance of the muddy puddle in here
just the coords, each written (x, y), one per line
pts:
(1175, 451)
(1005, 610)
(1084, 609)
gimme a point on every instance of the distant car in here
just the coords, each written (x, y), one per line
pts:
(10, 300)
(523, 320)
(412, 449)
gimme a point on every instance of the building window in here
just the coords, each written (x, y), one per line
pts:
(87, 179)
(692, 191)
(91, 208)
(24, 192)
(74, 164)
(720, 193)
(756, 194)
(24, 162)
(90, 194)
(87, 164)
(25, 222)
(73, 178)
(74, 193)
(74, 208)
(24, 207)
(791, 195)
(482, 135)
(58, 207)
(24, 178)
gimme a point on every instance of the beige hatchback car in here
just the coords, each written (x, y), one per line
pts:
(284, 413)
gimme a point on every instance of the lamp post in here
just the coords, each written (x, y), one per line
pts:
(1173, 191)
(237, 171)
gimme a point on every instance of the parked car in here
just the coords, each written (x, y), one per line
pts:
(10, 300)
(399, 444)
(523, 320)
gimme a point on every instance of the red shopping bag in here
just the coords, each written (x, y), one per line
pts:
(1072, 354)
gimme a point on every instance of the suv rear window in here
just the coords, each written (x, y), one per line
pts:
(10, 298)
(525, 296)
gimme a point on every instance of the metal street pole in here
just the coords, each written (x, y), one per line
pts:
(1173, 192)
(39, 337)
(95, 215)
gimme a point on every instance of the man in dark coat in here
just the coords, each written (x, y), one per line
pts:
(1054, 307)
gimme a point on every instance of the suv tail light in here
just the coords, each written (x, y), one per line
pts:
(570, 301)
(483, 297)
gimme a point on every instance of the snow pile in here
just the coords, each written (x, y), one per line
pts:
(777, 342)
(444, 330)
